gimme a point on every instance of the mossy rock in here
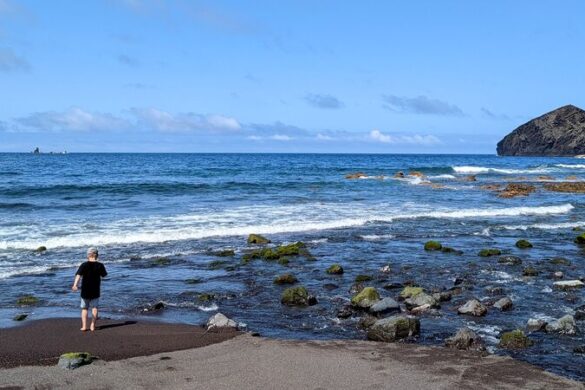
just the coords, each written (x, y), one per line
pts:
(523, 244)
(447, 249)
(20, 317)
(366, 298)
(217, 264)
(560, 261)
(41, 249)
(515, 339)
(363, 278)
(27, 300)
(510, 260)
(161, 262)
(284, 261)
(297, 296)
(411, 292)
(206, 297)
(580, 239)
(193, 281)
(285, 279)
(489, 252)
(335, 269)
(224, 253)
(271, 254)
(73, 360)
(529, 271)
(433, 246)
(257, 239)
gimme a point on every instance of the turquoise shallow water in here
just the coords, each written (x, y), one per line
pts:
(136, 207)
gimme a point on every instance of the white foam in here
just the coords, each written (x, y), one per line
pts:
(212, 307)
(247, 220)
(474, 170)
(376, 237)
(444, 176)
(545, 226)
(571, 166)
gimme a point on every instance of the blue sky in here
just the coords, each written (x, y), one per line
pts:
(283, 76)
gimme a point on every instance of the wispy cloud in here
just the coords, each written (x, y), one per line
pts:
(125, 59)
(323, 101)
(152, 118)
(11, 62)
(74, 119)
(420, 105)
(416, 139)
(491, 115)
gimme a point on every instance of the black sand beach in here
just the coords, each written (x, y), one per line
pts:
(42, 342)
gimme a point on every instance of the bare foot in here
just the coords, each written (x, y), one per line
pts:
(92, 327)
(83, 329)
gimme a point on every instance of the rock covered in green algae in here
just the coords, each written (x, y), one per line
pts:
(363, 278)
(489, 252)
(41, 249)
(278, 253)
(473, 307)
(433, 246)
(297, 296)
(160, 262)
(73, 360)
(515, 339)
(258, 239)
(510, 260)
(580, 239)
(27, 300)
(410, 291)
(335, 269)
(224, 253)
(20, 317)
(447, 249)
(523, 244)
(465, 339)
(559, 261)
(529, 271)
(394, 328)
(285, 279)
(366, 298)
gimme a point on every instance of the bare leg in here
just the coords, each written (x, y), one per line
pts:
(83, 319)
(94, 317)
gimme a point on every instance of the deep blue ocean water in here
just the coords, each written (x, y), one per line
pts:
(137, 207)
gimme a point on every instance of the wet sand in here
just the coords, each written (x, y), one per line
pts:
(246, 362)
(41, 342)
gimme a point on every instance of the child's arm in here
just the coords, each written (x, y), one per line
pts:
(75, 282)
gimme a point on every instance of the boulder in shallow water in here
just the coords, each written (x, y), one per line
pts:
(384, 306)
(504, 304)
(580, 350)
(529, 271)
(297, 296)
(564, 325)
(356, 175)
(335, 269)
(489, 252)
(73, 360)
(366, 298)
(27, 300)
(580, 239)
(559, 261)
(363, 278)
(158, 306)
(474, 308)
(285, 279)
(394, 328)
(220, 321)
(421, 299)
(510, 260)
(566, 285)
(257, 239)
(535, 325)
(433, 246)
(515, 339)
(465, 339)
(410, 291)
(443, 296)
(20, 317)
(523, 244)
(580, 313)
(41, 249)
(516, 189)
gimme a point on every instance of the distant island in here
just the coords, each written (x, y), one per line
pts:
(558, 133)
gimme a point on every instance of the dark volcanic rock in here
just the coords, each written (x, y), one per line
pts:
(559, 133)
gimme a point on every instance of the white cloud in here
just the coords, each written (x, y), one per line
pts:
(324, 137)
(281, 137)
(152, 118)
(416, 139)
(74, 119)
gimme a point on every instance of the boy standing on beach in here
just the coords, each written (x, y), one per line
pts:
(92, 272)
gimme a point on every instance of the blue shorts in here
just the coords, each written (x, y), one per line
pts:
(90, 303)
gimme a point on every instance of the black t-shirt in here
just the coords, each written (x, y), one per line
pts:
(92, 273)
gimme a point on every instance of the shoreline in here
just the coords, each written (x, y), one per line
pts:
(231, 359)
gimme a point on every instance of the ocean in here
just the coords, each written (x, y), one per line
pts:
(184, 208)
